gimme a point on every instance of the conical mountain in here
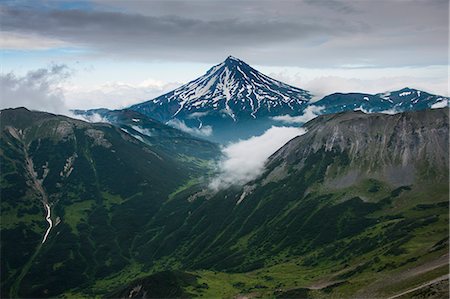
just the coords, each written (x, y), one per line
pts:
(233, 89)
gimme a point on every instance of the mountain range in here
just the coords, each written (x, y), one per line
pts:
(406, 99)
(234, 101)
(355, 207)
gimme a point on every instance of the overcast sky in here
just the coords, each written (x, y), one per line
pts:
(115, 53)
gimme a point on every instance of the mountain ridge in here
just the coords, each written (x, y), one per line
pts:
(406, 150)
(405, 99)
(118, 232)
(81, 173)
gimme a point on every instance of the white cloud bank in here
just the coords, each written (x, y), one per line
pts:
(322, 82)
(37, 90)
(309, 113)
(390, 111)
(50, 89)
(92, 118)
(115, 95)
(244, 160)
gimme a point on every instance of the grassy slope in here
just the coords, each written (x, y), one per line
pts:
(377, 271)
(406, 230)
(86, 259)
(96, 208)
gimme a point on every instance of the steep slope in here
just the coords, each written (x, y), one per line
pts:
(357, 206)
(348, 208)
(395, 148)
(73, 196)
(406, 99)
(192, 152)
(340, 152)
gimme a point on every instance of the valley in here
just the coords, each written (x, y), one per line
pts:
(380, 181)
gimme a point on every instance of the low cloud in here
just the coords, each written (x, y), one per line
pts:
(143, 131)
(181, 125)
(197, 115)
(50, 89)
(244, 160)
(37, 90)
(432, 79)
(389, 111)
(115, 95)
(93, 118)
(322, 86)
(441, 104)
(310, 112)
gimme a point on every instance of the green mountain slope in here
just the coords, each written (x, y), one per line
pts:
(101, 186)
(357, 206)
(188, 150)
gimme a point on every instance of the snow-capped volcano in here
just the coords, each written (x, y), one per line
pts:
(234, 101)
(232, 89)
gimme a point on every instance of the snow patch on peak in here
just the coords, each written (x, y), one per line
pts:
(234, 89)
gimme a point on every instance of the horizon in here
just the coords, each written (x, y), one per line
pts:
(112, 54)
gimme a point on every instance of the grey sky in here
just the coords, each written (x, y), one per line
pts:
(319, 33)
(125, 52)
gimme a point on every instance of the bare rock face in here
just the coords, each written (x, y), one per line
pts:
(98, 137)
(398, 148)
(64, 129)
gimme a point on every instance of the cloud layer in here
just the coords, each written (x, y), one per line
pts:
(37, 90)
(181, 125)
(310, 112)
(114, 95)
(244, 160)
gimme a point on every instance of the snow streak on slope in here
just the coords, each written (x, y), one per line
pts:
(233, 88)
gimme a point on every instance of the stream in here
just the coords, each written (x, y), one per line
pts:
(49, 220)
